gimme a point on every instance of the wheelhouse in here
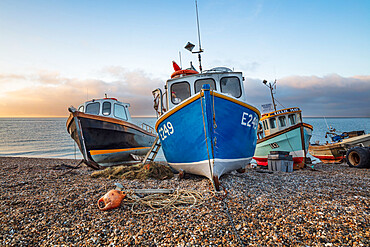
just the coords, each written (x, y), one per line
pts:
(221, 80)
(273, 122)
(107, 107)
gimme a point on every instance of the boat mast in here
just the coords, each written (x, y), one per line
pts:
(271, 87)
(200, 46)
(189, 46)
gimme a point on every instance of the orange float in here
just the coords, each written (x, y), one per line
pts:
(111, 200)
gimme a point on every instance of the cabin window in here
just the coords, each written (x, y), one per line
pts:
(81, 108)
(272, 123)
(120, 112)
(93, 108)
(292, 119)
(231, 86)
(200, 83)
(106, 108)
(265, 125)
(282, 121)
(299, 118)
(179, 92)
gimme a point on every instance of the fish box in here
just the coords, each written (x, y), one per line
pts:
(280, 161)
(279, 157)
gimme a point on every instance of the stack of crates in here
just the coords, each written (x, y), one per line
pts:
(280, 161)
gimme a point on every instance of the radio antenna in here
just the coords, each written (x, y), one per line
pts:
(200, 46)
(189, 46)
(196, 8)
(180, 59)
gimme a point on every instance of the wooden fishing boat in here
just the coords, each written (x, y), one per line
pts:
(283, 130)
(334, 152)
(105, 134)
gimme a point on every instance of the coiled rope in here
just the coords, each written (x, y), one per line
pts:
(180, 199)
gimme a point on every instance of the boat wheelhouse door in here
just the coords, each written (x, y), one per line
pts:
(159, 106)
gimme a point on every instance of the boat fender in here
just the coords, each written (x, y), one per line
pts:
(111, 200)
(183, 72)
(358, 157)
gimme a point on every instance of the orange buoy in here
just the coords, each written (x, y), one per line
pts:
(183, 72)
(111, 200)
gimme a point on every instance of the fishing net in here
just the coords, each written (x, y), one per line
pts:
(138, 171)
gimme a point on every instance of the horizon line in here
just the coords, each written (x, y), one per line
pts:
(153, 116)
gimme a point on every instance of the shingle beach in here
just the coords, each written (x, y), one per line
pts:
(42, 205)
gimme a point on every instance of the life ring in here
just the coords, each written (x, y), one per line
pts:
(183, 72)
(111, 98)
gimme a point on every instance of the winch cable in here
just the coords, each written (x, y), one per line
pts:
(227, 212)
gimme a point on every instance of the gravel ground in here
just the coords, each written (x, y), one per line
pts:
(40, 205)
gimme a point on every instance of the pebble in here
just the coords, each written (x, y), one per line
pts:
(39, 206)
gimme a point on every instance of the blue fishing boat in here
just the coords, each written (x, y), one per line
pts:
(205, 125)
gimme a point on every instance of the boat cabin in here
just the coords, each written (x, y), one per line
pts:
(106, 107)
(275, 121)
(222, 80)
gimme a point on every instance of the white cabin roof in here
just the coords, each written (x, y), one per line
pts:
(221, 79)
(107, 107)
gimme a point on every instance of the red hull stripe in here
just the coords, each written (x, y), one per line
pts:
(328, 157)
(263, 161)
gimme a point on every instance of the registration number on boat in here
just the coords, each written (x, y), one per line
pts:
(249, 121)
(166, 130)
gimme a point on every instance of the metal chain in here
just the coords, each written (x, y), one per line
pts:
(226, 210)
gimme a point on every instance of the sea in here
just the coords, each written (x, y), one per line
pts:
(48, 137)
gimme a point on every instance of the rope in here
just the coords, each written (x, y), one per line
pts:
(205, 135)
(75, 149)
(180, 199)
(280, 103)
(290, 145)
(71, 169)
(214, 111)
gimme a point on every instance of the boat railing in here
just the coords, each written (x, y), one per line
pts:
(147, 128)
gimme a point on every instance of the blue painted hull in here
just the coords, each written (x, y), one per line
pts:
(209, 134)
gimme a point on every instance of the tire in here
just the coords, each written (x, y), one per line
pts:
(358, 157)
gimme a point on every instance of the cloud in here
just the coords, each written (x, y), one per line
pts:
(47, 93)
(50, 94)
(242, 66)
(330, 95)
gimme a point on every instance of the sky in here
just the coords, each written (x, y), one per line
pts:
(54, 54)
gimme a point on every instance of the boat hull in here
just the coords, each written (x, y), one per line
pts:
(294, 140)
(105, 141)
(204, 136)
(335, 152)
